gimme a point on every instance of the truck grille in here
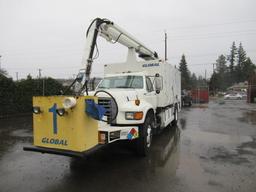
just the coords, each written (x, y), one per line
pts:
(107, 103)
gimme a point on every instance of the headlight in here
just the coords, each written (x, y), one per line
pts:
(69, 102)
(134, 115)
(36, 110)
(129, 115)
(61, 111)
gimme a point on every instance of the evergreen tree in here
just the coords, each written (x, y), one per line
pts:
(224, 76)
(241, 58)
(185, 74)
(214, 82)
(231, 58)
(7, 95)
(3, 72)
(193, 80)
(221, 69)
(221, 66)
(231, 76)
(248, 68)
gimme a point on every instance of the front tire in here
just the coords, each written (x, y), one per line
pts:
(145, 137)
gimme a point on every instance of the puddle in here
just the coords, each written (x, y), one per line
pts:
(21, 133)
(215, 137)
(248, 117)
(182, 122)
(221, 154)
(247, 148)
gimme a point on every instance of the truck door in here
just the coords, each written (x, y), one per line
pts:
(150, 95)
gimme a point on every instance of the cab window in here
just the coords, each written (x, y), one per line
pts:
(149, 85)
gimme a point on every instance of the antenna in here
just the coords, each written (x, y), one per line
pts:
(165, 46)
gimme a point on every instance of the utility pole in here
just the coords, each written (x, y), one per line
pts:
(43, 81)
(43, 86)
(165, 46)
(17, 76)
(39, 73)
(0, 61)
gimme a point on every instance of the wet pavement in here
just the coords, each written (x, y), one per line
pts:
(212, 149)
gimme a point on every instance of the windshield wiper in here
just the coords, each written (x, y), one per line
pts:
(103, 87)
(123, 87)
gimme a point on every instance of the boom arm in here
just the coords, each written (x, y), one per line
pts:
(113, 33)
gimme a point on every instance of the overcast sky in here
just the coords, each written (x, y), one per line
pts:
(50, 34)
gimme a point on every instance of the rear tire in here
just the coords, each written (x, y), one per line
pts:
(175, 120)
(145, 137)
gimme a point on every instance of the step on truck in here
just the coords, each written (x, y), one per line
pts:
(135, 99)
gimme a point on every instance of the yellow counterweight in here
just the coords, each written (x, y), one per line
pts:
(73, 131)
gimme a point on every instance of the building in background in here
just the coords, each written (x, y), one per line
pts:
(242, 86)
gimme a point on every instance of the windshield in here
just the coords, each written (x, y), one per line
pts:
(129, 81)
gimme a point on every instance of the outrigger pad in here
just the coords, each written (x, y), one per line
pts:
(94, 110)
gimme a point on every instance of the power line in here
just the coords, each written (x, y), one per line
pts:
(216, 33)
(204, 37)
(206, 54)
(201, 64)
(209, 25)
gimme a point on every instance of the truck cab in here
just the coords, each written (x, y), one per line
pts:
(141, 98)
(132, 92)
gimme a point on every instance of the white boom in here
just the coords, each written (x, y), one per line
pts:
(112, 33)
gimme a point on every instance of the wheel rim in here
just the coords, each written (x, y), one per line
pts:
(149, 135)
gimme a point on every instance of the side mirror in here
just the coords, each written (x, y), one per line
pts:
(158, 83)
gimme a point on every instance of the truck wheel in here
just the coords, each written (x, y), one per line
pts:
(175, 120)
(145, 137)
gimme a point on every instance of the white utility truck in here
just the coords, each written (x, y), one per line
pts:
(134, 100)
(141, 97)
